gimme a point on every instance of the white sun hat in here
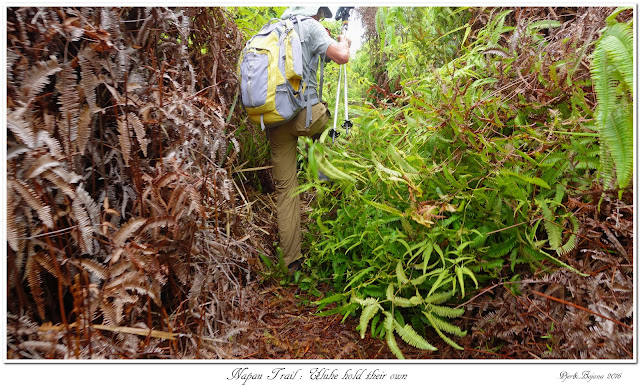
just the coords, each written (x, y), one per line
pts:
(306, 11)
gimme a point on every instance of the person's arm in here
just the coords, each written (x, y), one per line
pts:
(339, 52)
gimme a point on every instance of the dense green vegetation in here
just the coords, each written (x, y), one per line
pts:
(463, 158)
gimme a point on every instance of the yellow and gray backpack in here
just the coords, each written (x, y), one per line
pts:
(270, 69)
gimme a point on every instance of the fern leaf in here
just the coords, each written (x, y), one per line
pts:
(447, 340)
(38, 77)
(612, 65)
(92, 207)
(196, 199)
(139, 130)
(446, 312)
(32, 271)
(460, 279)
(15, 232)
(402, 278)
(45, 138)
(42, 163)
(69, 101)
(84, 129)
(532, 180)
(16, 150)
(402, 302)
(84, 226)
(618, 136)
(46, 262)
(440, 280)
(110, 314)
(572, 241)
(439, 297)
(617, 42)
(469, 273)
(391, 340)
(502, 248)
(127, 230)
(554, 231)
(409, 335)
(447, 327)
(125, 142)
(20, 128)
(67, 176)
(98, 269)
(160, 222)
(88, 79)
(437, 324)
(34, 202)
(540, 254)
(368, 313)
(363, 302)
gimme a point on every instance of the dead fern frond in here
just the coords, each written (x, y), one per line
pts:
(59, 183)
(94, 267)
(92, 207)
(20, 128)
(85, 226)
(46, 262)
(84, 129)
(139, 130)
(156, 223)
(37, 78)
(32, 271)
(16, 232)
(45, 138)
(69, 100)
(34, 201)
(40, 350)
(88, 79)
(41, 164)
(124, 139)
(127, 230)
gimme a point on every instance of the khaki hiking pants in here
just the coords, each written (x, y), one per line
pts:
(284, 142)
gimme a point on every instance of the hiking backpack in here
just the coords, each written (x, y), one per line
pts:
(270, 70)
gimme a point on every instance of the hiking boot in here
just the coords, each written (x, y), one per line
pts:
(295, 266)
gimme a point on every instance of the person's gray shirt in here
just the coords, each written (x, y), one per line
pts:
(316, 40)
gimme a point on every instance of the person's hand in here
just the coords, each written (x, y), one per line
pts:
(339, 51)
(343, 38)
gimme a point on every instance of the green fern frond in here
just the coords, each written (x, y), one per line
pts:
(446, 312)
(364, 302)
(617, 42)
(612, 71)
(460, 279)
(435, 324)
(503, 248)
(554, 231)
(439, 297)
(444, 325)
(572, 241)
(368, 313)
(391, 340)
(402, 277)
(409, 335)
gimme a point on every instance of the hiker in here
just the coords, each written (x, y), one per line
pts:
(284, 138)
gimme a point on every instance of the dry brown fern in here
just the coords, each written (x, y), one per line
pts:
(113, 136)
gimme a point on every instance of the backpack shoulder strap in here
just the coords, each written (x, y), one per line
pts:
(297, 22)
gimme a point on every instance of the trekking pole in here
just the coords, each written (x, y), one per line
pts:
(344, 13)
(347, 123)
(334, 132)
